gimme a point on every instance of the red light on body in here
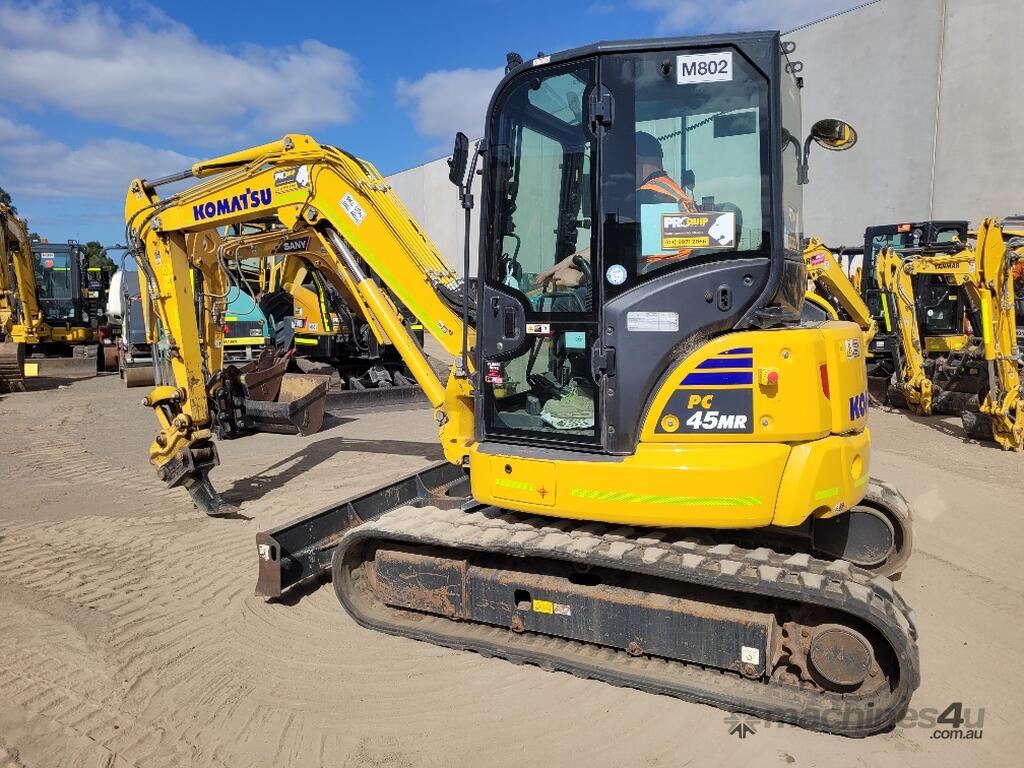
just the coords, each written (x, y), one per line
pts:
(824, 381)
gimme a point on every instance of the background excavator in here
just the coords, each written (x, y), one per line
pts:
(51, 309)
(308, 305)
(984, 272)
(656, 474)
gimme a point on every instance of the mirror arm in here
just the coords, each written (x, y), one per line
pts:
(803, 175)
(466, 199)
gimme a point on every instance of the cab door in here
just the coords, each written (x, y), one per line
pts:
(539, 310)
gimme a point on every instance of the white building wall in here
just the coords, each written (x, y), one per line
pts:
(434, 202)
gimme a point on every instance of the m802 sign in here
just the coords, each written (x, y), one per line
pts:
(704, 68)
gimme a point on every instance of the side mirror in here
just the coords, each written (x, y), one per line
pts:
(458, 160)
(833, 135)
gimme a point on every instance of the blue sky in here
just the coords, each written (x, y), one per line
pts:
(95, 94)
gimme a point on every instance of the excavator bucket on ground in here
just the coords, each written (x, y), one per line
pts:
(276, 401)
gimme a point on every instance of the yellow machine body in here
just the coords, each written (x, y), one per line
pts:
(807, 454)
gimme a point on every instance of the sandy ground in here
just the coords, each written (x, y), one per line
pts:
(130, 635)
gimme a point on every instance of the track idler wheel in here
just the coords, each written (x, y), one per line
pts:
(876, 535)
(12, 367)
(841, 656)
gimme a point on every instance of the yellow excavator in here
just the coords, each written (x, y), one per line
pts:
(839, 297)
(18, 305)
(985, 272)
(51, 308)
(655, 473)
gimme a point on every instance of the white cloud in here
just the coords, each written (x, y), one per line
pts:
(447, 101)
(739, 15)
(155, 75)
(37, 167)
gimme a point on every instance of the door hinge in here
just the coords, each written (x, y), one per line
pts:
(602, 110)
(602, 362)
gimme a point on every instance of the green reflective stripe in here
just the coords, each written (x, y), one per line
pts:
(305, 341)
(885, 313)
(519, 485)
(828, 493)
(687, 501)
(860, 481)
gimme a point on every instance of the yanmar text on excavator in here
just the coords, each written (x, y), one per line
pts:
(657, 473)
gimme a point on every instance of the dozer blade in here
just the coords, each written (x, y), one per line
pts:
(61, 367)
(298, 409)
(141, 376)
(377, 397)
(12, 371)
(303, 548)
(110, 357)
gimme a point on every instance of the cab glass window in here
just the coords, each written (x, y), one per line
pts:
(685, 164)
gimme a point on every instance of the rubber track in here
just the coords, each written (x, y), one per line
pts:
(797, 579)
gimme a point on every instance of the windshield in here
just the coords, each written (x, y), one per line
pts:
(54, 285)
(686, 162)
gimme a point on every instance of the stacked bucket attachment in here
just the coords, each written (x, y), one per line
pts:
(276, 401)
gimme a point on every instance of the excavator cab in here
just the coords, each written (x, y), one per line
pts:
(634, 197)
(60, 283)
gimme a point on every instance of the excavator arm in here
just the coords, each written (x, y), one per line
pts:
(364, 230)
(824, 271)
(893, 278)
(19, 304)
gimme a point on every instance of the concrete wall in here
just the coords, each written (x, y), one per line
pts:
(433, 200)
(922, 81)
(931, 87)
(980, 144)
